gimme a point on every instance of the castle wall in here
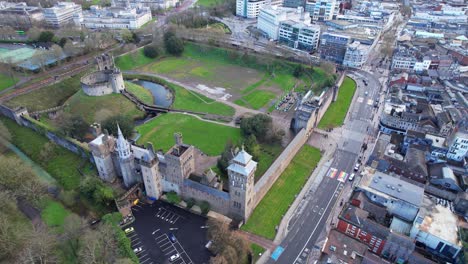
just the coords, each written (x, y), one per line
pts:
(218, 200)
(105, 167)
(102, 83)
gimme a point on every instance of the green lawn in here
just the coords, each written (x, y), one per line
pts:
(276, 202)
(53, 214)
(208, 3)
(98, 108)
(140, 92)
(6, 81)
(62, 164)
(47, 97)
(256, 251)
(258, 98)
(268, 154)
(189, 100)
(209, 137)
(336, 112)
(132, 60)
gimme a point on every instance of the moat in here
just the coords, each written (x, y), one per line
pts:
(161, 95)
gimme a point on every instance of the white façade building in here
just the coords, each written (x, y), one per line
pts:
(356, 55)
(251, 8)
(322, 10)
(61, 14)
(271, 16)
(130, 17)
(299, 35)
(458, 142)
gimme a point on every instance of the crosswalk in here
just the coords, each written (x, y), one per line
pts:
(333, 173)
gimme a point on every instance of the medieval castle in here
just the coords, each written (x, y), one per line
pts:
(106, 80)
(174, 171)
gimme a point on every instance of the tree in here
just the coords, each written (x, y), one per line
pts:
(150, 51)
(252, 147)
(126, 35)
(205, 207)
(99, 246)
(5, 136)
(73, 126)
(327, 67)
(46, 36)
(257, 125)
(125, 123)
(72, 50)
(62, 42)
(226, 157)
(298, 70)
(173, 44)
(40, 247)
(33, 33)
(72, 227)
(227, 245)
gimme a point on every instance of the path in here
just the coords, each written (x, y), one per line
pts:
(212, 121)
(261, 241)
(239, 110)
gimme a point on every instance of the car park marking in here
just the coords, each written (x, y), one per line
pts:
(142, 256)
(139, 242)
(141, 262)
(141, 252)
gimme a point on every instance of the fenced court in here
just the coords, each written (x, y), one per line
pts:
(16, 55)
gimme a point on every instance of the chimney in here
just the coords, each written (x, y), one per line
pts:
(178, 138)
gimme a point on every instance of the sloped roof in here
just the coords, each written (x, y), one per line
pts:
(242, 157)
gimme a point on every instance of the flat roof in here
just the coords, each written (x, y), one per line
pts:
(439, 221)
(397, 188)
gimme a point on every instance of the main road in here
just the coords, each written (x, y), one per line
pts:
(307, 224)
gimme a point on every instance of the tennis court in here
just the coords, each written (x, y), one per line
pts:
(16, 55)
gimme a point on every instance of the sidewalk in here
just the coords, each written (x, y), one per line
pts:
(261, 241)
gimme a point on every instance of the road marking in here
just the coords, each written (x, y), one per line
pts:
(170, 252)
(139, 242)
(160, 236)
(141, 252)
(142, 256)
(313, 231)
(141, 262)
(165, 248)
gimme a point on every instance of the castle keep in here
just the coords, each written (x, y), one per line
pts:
(106, 80)
(172, 171)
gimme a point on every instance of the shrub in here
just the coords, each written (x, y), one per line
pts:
(173, 198)
(173, 44)
(190, 203)
(150, 51)
(205, 207)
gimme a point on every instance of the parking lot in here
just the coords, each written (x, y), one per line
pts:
(154, 226)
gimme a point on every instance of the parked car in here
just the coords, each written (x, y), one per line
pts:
(174, 257)
(356, 167)
(172, 238)
(129, 230)
(138, 250)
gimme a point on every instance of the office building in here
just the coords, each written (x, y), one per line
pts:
(61, 14)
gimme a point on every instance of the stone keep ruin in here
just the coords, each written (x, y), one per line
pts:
(106, 80)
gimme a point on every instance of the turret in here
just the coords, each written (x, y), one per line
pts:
(123, 147)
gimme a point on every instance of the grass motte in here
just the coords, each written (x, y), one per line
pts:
(269, 212)
(208, 137)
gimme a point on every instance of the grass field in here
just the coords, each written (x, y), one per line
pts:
(208, 3)
(6, 81)
(258, 98)
(239, 73)
(47, 97)
(268, 154)
(336, 112)
(132, 60)
(209, 137)
(276, 202)
(256, 251)
(189, 100)
(53, 214)
(98, 108)
(140, 92)
(60, 164)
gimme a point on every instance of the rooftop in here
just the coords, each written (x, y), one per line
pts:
(344, 248)
(397, 188)
(438, 221)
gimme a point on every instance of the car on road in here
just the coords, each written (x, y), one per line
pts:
(172, 238)
(351, 177)
(174, 257)
(366, 93)
(138, 250)
(356, 167)
(129, 230)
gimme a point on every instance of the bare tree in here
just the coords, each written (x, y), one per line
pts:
(39, 248)
(99, 247)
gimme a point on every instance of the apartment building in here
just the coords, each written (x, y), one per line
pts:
(322, 10)
(356, 55)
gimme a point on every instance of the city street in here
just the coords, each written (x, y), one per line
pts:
(307, 224)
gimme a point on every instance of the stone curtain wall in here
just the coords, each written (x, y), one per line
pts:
(217, 204)
(277, 168)
(21, 117)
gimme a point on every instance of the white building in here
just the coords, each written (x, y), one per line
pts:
(153, 4)
(299, 35)
(436, 227)
(61, 14)
(249, 8)
(270, 17)
(356, 54)
(322, 10)
(458, 145)
(131, 17)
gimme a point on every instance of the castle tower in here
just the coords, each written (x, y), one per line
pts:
(180, 164)
(150, 173)
(127, 166)
(101, 148)
(241, 173)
